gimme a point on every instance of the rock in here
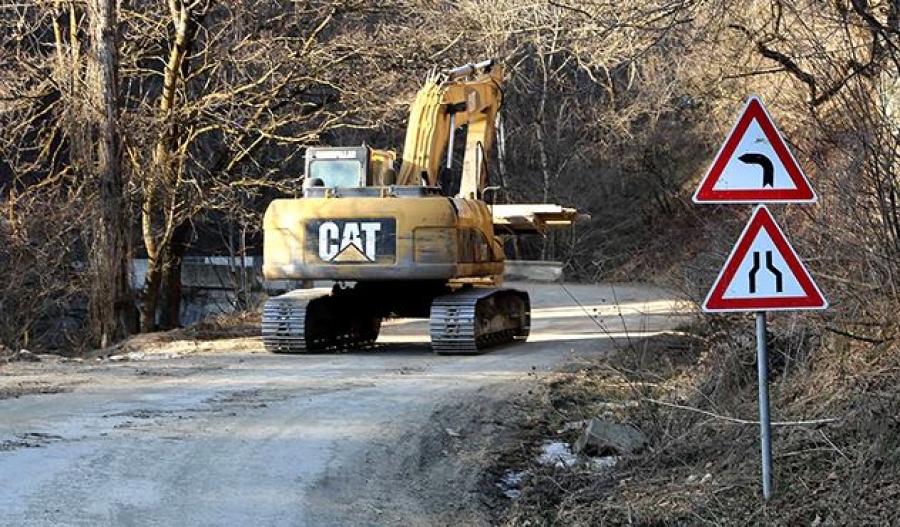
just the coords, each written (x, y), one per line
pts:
(604, 438)
(27, 356)
(693, 479)
(573, 425)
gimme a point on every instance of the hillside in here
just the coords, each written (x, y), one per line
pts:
(694, 397)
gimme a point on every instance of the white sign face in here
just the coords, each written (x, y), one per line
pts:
(763, 273)
(754, 165)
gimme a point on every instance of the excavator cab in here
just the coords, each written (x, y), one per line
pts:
(343, 167)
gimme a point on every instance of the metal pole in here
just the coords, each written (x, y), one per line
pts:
(450, 140)
(764, 421)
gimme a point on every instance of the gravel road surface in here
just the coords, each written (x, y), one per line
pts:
(223, 433)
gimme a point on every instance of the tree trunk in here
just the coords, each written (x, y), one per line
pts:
(162, 214)
(151, 296)
(111, 301)
(170, 294)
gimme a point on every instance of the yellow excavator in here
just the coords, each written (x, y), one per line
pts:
(402, 243)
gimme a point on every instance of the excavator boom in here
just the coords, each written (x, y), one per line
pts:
(469, 95)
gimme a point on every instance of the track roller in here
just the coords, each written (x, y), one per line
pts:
(474, 319)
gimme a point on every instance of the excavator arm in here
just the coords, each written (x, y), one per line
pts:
(468, 95)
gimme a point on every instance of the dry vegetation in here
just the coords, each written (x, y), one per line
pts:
(613, 109)
(835, 443)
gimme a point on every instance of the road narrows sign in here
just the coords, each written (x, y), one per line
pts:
(763, 273)
(754, 165)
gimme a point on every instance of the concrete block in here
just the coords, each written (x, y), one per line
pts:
(533, 271)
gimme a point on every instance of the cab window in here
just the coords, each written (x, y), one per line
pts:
(337, 172)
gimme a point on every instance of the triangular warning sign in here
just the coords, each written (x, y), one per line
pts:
(754, 165)
(763, 273)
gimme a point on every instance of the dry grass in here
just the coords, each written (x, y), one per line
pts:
(225, 326)
(237, 325)
(693, 396)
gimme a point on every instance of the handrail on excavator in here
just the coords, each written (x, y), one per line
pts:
(469, 69)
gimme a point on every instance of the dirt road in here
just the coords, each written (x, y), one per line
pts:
(223, 433)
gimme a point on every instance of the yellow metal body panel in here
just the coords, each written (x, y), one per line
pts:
(441, 106)
(395, 226)
(380, 238)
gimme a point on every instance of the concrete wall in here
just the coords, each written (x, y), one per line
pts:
(213, 285)
(532, 271)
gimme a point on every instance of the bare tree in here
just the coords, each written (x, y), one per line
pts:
(832, 68)
(242, 92)
(164, 215)
(612, 108)
(111, 300)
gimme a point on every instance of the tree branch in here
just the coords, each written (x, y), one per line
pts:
(812, 422)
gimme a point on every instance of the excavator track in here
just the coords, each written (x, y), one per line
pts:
(472, 320)
(308, 320)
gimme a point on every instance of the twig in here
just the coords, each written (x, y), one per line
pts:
(836, 449)
(740, 421)
(854, 337)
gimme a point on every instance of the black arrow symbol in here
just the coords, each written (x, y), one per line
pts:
(779, 285)
(753, 272)
(765, 163)
(770, 266)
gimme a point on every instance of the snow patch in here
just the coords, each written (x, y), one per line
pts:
(557, 454)
(510, 483)
(602, 464)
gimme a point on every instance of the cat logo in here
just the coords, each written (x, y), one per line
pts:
(346, 241)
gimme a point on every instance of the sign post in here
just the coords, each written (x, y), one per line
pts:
(763, 272)
(765, 424)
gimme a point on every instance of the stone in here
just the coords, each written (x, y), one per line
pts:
(27, 356)
(604, 438)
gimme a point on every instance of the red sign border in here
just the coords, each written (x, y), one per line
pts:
(755, 110)
(763, 219)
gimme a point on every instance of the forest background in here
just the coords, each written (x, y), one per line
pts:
(144, 128)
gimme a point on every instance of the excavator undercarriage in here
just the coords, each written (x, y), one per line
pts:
(463, 319)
